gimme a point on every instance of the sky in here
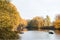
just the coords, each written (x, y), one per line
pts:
(31, 8)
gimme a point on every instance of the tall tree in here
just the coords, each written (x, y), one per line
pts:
(9, 20)
(47, 21)
(37, 22)
(57, 22)
(9, 10)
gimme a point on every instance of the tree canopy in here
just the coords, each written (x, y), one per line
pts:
(9, 20)
(37, 22)
(9, 16)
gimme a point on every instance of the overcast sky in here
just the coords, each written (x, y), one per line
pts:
(31, 8)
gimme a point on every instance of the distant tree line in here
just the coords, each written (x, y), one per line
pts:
(44, 23)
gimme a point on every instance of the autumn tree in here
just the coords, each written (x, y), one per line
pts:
(9, 18)
(57, 22)
(4, 19)
(47, 21)
(10, 10)
(23, 22)
(22, 25)
(37, 22)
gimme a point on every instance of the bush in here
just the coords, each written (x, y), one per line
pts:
(6, 33)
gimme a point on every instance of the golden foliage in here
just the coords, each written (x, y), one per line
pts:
(47, 21)
(9, 14)
(4, 19)
(57, 22)
(37, 22)
(23, 22)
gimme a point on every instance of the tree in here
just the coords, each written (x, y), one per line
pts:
(47, 21)
(23, 22)
(4, 19)
(22, 25)
(57, 22)
(9, 20)
(37, 22)
(9, 9)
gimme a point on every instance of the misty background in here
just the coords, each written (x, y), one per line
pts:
(31, 8)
